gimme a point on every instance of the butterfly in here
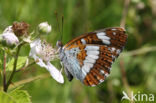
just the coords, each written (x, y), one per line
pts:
(89, 57)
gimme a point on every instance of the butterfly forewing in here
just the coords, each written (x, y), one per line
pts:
(94, 53)
(114, 37)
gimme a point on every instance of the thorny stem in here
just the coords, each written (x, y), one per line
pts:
(4, 72)
(14, 67)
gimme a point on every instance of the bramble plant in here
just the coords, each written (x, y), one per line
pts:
(14, 38)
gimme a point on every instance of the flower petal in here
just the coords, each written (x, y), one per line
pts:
(32, 52)
(40, 62)
(34, 48)
(35, 42)
(56, 74)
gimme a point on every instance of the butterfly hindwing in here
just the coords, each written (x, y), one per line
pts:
(101, 67)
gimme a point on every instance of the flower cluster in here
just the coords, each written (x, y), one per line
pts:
(42, 52)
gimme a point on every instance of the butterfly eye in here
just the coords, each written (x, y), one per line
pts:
(59, 44)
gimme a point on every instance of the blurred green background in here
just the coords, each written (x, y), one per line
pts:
(80, 16)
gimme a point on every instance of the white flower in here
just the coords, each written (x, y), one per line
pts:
(9, 37)
(43, 53)
(44, 28)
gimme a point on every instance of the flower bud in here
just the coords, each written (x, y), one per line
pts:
(9, 38)
(8, 29)
(44, 28)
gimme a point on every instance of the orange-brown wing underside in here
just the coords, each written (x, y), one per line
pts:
(107, 52)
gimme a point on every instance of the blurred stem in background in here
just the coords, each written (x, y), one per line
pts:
(122, 69)
(4, 72)
(124, 13)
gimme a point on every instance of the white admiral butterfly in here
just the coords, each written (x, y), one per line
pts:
(89, 57)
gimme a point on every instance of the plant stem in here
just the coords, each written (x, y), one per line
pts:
(124, 13)
(14, 67)
(122, 69)
(124, 78)
(23, 68)
(4, 72)
(139, 51)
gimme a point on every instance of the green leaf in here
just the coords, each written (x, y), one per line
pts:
(21, 96)
(20, 63)
(15, 96)
(6, 98)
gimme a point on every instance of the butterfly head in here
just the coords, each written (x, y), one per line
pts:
(59, 44)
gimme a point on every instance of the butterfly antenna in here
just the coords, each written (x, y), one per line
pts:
(62, 27)
(57, 22)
